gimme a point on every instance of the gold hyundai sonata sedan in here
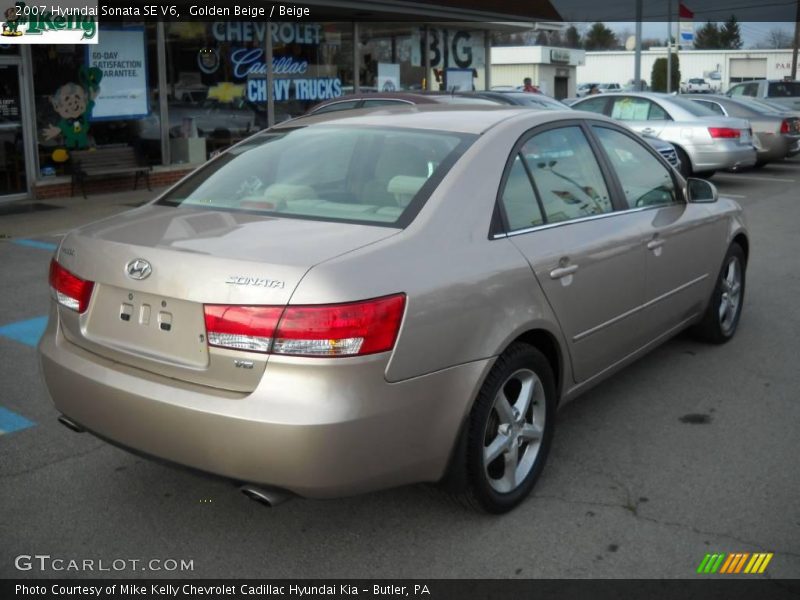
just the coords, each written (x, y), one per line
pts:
(351, 302)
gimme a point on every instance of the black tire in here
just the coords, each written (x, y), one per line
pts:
(705, 174)
(686, 165)
(717, 328)
(484, 427)
(760, 164)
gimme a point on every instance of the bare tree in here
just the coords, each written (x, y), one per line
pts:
(777, 38)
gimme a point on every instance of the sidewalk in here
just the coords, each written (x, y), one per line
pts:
(56, 216)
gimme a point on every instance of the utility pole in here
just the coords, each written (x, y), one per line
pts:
(669, 46)
(796, 40)
(637, 63)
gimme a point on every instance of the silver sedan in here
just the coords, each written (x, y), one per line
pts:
(776, 132)
(346, 303)
(705, 141)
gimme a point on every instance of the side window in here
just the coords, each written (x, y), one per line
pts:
(568, 179)
(645, 181)
(629, 108)
(737, 90)
(712, 106)
(750, 89)
(595, 105)
(519, 201)
(657, 113)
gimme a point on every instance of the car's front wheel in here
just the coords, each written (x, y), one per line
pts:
(510, 429)
(725, 307)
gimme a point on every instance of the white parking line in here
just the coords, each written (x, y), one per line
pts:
(756, 177)
(727, 195)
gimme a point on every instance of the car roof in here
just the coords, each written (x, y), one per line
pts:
(429, 97)
(440, 117)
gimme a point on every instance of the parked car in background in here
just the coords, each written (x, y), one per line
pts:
(786, 93)
(631, 86)
(696, 85)
(541, 101)
(404, 297)
(376, 99)
(609, 87)
(776, 134)
(703, 140)
(521, 99)
(583, 89)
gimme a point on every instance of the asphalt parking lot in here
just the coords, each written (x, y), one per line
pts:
(694, 449)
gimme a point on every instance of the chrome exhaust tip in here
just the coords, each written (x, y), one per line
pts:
(70, 424)
(267, 496)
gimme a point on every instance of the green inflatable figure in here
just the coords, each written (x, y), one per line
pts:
(74, 104)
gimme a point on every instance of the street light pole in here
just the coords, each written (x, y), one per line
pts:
(637, 68)
(669, 46)
(796, 40)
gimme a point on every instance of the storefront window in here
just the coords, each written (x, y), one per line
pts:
(392, 58)
(95, 96)
(217, 78)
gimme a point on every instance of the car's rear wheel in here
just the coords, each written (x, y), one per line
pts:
(686, 165)
(510, 430)
(725, 308)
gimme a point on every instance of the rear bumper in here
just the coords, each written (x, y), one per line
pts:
(329, 429)
(776, 147)
(728, 155)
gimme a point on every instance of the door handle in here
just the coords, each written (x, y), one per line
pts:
(648, 130)
(563, 271)
(655, 243)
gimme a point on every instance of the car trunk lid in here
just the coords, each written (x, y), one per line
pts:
(149, 314)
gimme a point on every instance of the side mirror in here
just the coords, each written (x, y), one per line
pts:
(701, 191)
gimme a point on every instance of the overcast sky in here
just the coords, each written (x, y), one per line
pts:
(752, 31)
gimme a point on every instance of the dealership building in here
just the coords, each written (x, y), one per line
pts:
(177, 91)
(721, 67)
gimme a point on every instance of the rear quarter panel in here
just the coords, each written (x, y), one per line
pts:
(468, 296)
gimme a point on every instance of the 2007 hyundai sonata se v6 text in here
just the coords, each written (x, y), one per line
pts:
(347, 303)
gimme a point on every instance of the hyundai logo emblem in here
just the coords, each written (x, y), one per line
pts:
(138, 269)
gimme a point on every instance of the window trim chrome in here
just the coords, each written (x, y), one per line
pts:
(615, 213)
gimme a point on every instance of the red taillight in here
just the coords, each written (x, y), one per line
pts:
(351, 329)
(340, 329)
(724, 132)
(69, 290)
(241, 327)
(786, 126)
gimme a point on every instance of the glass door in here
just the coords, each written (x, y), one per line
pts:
(13, 178)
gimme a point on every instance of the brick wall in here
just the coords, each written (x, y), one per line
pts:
(100, 185)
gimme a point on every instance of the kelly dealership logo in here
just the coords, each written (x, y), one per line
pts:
(57, 24)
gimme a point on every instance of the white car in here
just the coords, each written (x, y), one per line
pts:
(696, 85)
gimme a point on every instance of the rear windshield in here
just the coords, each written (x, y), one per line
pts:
(368, 175)
(784, 89)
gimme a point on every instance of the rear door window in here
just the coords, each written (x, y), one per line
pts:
(784, 89)
(629, 108)
(566, 175)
